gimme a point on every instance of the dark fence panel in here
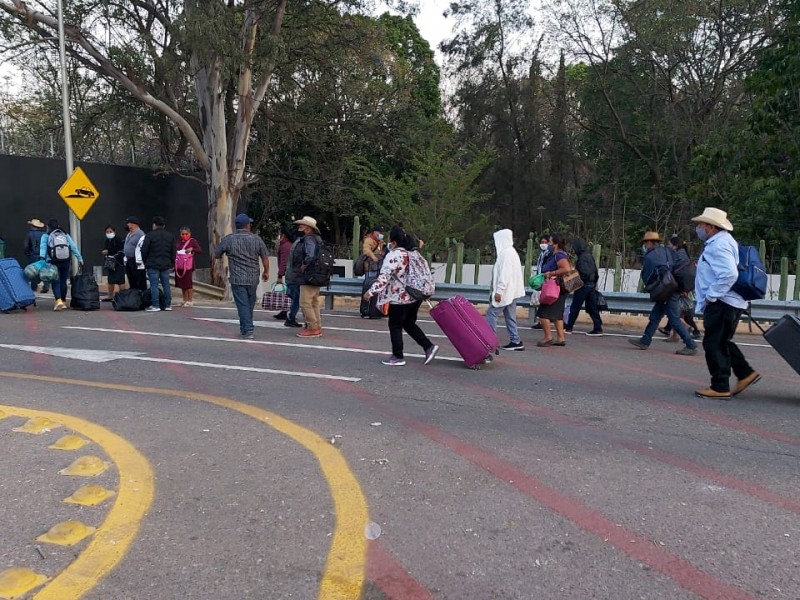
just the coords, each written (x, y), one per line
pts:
(29, 189)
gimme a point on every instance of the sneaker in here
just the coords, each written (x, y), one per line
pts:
(288, 323)
(152, 309)
(431, 353)
(746, 382)
(568, 331)
(188, 304)
(168, 308)
(696, 334)
(57, 305)
(514, 346)
(62, 305)
(281, 316)
(664, 330)
(309, 333)
(596, 332)
(712, 393)
(639, 344)
(686, 351)
(393, 361)
(247, 336)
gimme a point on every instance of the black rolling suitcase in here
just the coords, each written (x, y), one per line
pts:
(784, 336)
(370, 310)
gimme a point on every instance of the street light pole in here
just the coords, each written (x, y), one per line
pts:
(74, 222)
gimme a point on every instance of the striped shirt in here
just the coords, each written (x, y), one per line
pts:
(245, 251)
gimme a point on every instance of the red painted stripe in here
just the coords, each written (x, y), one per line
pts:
(630, 543)
(390, 577)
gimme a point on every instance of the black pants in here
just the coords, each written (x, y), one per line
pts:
(585, 294)
(722, 355)
(137, 278)
(403, 317)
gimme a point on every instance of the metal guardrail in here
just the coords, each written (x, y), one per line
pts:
(618, 302)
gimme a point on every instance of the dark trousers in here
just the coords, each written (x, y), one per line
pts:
(403, 317)
(244, 296)
(722, 355)
(293, 291)
(585, 294)
(60, 285)
(137, 278)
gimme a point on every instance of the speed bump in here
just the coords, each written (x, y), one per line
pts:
(69, 442)
(38, 426)
(86, 466)
(89, 495)
(16, 582)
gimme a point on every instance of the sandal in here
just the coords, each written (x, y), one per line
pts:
(559, 344)
(544, 343)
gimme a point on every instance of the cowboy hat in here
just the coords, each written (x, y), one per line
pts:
(651, 236)
(716, 217)
(308, 221)
(36, 223)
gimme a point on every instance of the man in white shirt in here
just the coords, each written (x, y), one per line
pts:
(717, 271)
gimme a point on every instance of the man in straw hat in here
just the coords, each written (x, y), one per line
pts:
(303, 257)
(656, 259)
(33, 240)
(717, 271)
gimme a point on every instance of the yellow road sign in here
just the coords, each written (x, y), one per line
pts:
(79, 193)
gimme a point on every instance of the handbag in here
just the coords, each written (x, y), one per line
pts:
(110, 263)
(600, 300)
(550, 292)
(277, 299)
(360, 266)
(184, 261)
(663, 286)
(571, 281)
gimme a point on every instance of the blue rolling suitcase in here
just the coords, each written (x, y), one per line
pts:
(15, 290)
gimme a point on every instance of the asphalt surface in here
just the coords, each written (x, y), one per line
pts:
(589, 471)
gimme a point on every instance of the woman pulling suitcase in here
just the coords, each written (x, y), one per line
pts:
(390, 288)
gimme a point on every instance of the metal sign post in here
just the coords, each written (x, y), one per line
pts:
(74, 222)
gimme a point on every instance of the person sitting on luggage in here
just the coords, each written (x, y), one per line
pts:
(372, 248)
(391, 288)
(32, 245)
(57, 248)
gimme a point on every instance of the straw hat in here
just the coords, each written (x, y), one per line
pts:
(715, 217)
(36, 223)
(309, 222)
(651, 236)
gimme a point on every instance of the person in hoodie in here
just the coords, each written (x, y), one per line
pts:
(284, 248)
(507, 286)
(587, 268)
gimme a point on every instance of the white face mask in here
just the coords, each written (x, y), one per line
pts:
(111, 236)
(543, 247)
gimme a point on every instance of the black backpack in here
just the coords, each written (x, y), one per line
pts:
(320, 270)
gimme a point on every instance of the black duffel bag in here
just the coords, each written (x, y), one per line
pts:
(128, 300)
(662, 286)
(85, 295)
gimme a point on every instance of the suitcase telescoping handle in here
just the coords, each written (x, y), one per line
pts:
(751, 321)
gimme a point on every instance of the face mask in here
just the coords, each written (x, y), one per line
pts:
(543, 247)
(111, 236)
(380, 237)
(701, 232)
(644, 249)
(550, 247)
(185, 236)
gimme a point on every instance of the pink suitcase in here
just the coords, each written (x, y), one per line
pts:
(467, 329)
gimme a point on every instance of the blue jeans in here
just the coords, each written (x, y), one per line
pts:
(671, 308)
(60, 286)
(510, 314)
(155, 276)
(293, 291)
(245, 298)
(584, 294)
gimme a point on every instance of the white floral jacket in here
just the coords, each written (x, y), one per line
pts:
(390, 283)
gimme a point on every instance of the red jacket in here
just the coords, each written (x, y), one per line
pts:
(283, 256)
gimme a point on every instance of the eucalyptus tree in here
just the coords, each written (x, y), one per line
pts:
(207, 66)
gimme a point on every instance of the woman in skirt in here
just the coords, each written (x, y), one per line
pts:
(184, 276)
(112, 250)
(556, 265)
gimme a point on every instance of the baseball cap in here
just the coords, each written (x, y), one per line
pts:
(133, 220)
(242, 220)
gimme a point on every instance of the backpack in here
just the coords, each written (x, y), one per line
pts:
(319, 272)
(752, 282)
(58, 247)
(685, 275)
(419, 279)
(360, 266)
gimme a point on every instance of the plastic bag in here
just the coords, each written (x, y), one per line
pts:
(48, 273)
(32, 270)
(550, 292)
(536, 281)
(536, 298)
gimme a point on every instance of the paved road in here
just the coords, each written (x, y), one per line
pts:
(259, 469)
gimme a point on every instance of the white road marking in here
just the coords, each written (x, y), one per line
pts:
(107, 356)
(257, 342)
(278, 325)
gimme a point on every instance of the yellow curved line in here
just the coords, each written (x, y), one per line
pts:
(344, 574)
(113, 538)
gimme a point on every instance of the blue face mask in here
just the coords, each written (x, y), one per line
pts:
(550, 248)
(701, 232)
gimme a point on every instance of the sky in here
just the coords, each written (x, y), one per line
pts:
(432, 25)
